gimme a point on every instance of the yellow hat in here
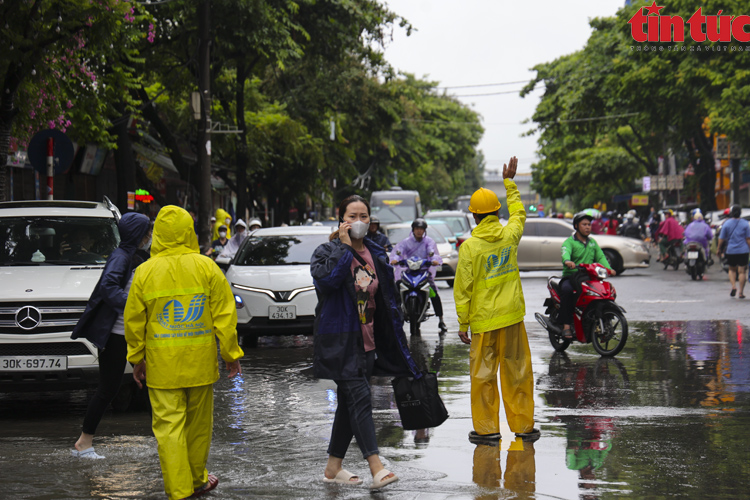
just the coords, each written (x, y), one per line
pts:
(484, 201)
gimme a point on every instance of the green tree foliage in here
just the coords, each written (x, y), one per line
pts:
(614, 95)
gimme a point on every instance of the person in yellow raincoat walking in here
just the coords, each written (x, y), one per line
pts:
(222, 219)
(179, 303)
(489, 301)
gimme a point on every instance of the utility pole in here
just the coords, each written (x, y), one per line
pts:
(204, 129)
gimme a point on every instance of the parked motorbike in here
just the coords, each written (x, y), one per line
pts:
(596, 318)
(414, 289)
(695, 261)
(674, 255)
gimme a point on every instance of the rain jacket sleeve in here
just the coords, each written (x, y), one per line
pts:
(463, 287)
(224, 313)
(330, 266)
(517, 218)
(135, 324)
(432, 248)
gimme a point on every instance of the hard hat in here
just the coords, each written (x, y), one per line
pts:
(484, 201)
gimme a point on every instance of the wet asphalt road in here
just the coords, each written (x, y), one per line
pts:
(669, 417)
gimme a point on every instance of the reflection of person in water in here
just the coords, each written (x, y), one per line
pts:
(589, 443)
(520, 468)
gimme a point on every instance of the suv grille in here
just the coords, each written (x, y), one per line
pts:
(45, 349)
(31, 318)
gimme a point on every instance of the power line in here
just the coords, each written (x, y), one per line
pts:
(592, 118)
(481, 85)
(495, 93)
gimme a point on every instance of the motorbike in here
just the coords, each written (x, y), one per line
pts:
(597, 318)
(414, 289)
(674, 255)
(695, 261)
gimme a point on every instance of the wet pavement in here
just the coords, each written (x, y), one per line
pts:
(669, 417)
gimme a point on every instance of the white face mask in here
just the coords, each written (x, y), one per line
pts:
(146, 244)
(358, 230)
(227, 221)
(222, 234)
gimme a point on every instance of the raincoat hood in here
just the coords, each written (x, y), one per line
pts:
(489, 229)
(173, 233)
(133, 227)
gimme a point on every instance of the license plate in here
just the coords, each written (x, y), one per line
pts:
(282, 312)
(33, 363)
(692, 255)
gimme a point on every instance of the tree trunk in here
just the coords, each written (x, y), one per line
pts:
(124, 164)
(241, 157)
(7, 113)
(703, 165)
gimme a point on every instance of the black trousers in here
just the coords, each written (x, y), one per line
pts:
(568, 295)
(112, 361)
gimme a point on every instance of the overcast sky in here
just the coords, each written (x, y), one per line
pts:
(476, 42)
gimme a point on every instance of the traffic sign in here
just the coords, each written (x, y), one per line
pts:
(62, 152)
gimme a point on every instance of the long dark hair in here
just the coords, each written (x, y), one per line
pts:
(342, 210)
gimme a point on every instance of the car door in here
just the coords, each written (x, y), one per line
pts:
(528, 247)
(552, 233)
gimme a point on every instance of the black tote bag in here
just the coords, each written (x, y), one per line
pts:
(418, 401)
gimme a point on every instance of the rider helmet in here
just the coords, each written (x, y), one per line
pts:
(579, 217)
(735, 211)
(420, 222)
(698, 216)
(374, 220)
(484, 201)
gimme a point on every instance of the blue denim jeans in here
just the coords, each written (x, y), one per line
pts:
(354, 415)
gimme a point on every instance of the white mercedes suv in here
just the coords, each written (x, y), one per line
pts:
(51, 256)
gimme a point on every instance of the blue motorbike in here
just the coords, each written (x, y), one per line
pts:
(414, 289)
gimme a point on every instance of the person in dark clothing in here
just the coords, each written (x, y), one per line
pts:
(631, 229)
(358, 333)
(102, 323)
(217, 246)
(373, 232)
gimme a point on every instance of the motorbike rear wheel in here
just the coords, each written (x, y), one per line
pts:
(609, 331)
(694, 273)
(413, 315)
(559, 344)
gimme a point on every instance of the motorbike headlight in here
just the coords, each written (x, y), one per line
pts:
(414, 265)
(602, 272)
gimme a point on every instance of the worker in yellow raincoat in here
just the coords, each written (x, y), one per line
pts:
(489, 301)
(222, 219)
(179, 303)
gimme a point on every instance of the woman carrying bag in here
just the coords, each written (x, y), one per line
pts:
(358, 333)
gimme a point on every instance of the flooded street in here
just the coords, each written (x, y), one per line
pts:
(670, 416)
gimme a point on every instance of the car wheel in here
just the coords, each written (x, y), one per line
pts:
(615, 261)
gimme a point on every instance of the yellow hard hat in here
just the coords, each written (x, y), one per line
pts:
(484, 201)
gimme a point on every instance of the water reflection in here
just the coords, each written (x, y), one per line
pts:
(520, 469)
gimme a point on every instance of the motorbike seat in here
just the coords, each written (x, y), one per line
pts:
(555, 282)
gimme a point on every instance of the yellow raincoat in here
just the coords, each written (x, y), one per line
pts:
(178, 304)
(489, 301)
(221, 216)
(487, 288)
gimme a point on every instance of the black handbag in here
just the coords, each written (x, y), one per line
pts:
(418, 401)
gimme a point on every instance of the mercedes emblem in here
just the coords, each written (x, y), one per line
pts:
(28, 317)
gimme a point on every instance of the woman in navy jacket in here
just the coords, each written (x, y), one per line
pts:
(101, 322)
(358, 333)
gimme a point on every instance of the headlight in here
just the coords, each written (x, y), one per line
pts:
(239, 302)
(602, 272)
(414, 265)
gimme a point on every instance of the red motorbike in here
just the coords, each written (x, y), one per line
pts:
(596, 317)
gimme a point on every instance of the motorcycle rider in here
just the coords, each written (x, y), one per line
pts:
(419, 245)
(699, 232)
(671, 233)
(597, 225)
(577, 249)
(373, 232)
(630, 228)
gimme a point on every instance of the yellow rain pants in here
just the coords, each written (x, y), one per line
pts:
(508, 349)
(520, 468)
(183, 421)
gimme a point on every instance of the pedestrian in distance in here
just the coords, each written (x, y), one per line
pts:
(358, 333)
(489, 302)
(217, 246)
(102, 323)
(179, 304)
(736, 234)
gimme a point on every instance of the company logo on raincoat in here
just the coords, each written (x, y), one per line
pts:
(497, 266)
(174, 317)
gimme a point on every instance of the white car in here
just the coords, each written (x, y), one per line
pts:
(45, 287)
(271, 281)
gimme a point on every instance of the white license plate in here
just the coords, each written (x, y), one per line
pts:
(282, 312)
(33, 363)
(692, 255)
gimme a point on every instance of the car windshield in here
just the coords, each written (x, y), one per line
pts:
(279, 250)
(458, 224)
(396, 234)
(32, 241)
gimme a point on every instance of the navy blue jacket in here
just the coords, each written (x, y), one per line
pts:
(108, 299)
(339, 351)
(381, 240)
